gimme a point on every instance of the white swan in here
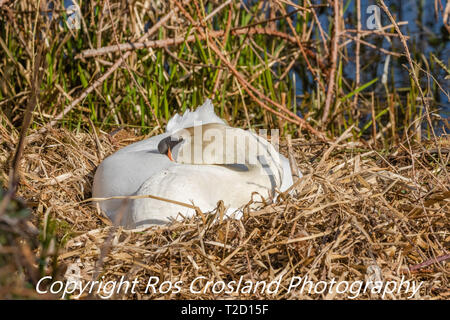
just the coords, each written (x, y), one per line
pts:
(198, 160)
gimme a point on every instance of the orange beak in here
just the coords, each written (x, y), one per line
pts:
(169, 154)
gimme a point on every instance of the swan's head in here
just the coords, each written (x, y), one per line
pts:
(196, 145)
(215, 143)
(166, 146)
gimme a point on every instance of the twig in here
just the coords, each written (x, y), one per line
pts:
(345, 135)
(224, 42)
(358, 48)
(334, 54)
(370, 45)
(429, 262)
(215, 11)
(379, 31)
(323, 35)
(187, 205)
(315, 74)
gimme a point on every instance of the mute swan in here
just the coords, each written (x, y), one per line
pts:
(199, 160)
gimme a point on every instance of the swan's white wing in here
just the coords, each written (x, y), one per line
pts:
(183, 183)
(122, 173)
(203, 185)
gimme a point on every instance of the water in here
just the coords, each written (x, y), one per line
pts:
(427, 35)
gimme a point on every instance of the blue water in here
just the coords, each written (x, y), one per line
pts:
(427, 35)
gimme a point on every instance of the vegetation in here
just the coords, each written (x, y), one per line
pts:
(69, 97)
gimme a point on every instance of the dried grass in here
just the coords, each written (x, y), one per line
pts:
(356, 211)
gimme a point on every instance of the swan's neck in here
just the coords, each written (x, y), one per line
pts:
(214, 144)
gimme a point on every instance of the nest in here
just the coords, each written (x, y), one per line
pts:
(357, 214)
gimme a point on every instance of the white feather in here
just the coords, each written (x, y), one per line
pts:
(202, 115)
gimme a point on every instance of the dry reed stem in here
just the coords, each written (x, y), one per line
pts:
(334, 57)
(315, 74)
(358, 51)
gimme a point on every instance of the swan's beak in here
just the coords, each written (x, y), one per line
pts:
(169, 154)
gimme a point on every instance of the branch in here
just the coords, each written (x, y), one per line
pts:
(334, 54)
(429, 262)
(178, 40)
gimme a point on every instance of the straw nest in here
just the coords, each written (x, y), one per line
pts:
(357, 214)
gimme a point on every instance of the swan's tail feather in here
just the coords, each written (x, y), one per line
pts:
(202, 115)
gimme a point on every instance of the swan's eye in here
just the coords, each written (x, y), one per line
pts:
(166, 144)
